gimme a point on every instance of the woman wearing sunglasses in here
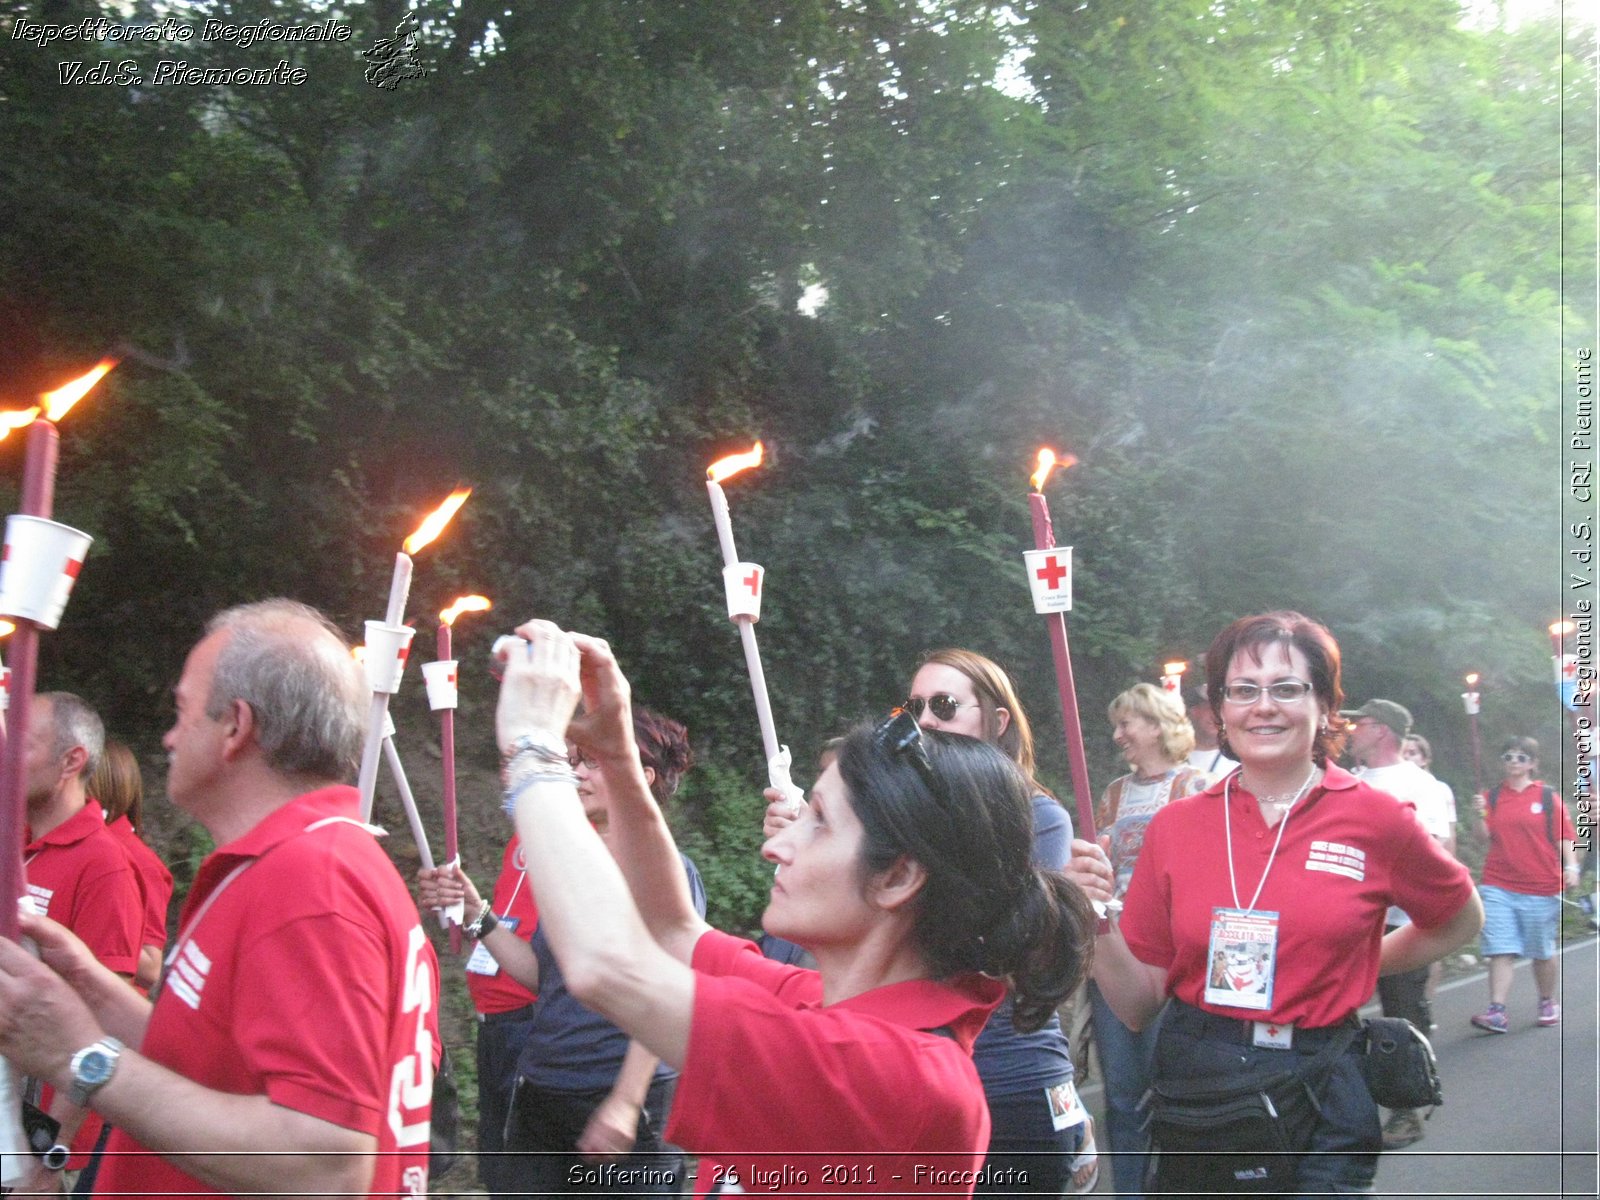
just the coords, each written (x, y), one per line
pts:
(907, 876)
(1257, 907)
(1531, 861)
(1027, 1077)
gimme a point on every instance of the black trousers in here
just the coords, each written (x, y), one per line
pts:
(544, 1127)
(500, 1039)
(1406, 995)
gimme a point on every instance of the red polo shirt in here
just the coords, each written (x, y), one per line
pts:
(79, 876)
(794, 1097)
(498, 992)
(302, 974)
(155, 881)
(1348, 852)
(1522, 857)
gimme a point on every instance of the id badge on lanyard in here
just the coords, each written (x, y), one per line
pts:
(1243, 958)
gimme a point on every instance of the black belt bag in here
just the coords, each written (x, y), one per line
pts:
(1399, 1065)
(1239, 1136)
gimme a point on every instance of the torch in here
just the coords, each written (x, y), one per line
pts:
(440, 677)
(393, 639)
(1172, 678)
(742, 583)
(1471, 700)
(1050, 578)
(41, 560)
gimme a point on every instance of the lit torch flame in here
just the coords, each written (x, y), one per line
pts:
(1047, 463)
(464, 604)
(433, 524)
(6, 628)
(1472, 679)
(359, 653)
(1561, 628)
(58, 402)
(17, 419)
(723, 468)
(1174, 668)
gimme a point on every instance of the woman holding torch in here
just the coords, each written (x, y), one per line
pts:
(1027, 1077)
(1258, 907)
(907, 876)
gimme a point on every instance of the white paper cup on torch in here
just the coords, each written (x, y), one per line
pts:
(1470, 701)
(1050, 578)
(5, 688)
(388, 646)
(42, 560)
(742, 581)
(440, 678)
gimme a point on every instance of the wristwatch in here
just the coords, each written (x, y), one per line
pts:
(92, 1068)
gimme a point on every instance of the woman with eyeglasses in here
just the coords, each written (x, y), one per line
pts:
(1027, 1077)
(1152, 730)
(1531, 861)
(1256, 914)
(586, 1105)
(907, 876)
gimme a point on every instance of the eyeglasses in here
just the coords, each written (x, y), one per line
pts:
(577, 758)
(944, 706)
(1285, 691)
(1516, 756)
(899, 735)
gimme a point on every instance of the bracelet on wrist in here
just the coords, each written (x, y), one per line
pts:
(531, 775)
(485, 923)
(540, 744)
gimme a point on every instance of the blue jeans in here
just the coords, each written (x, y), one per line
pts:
(1127, 1064)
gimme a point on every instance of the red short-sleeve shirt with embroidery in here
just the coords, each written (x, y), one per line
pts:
(1348, 852)
(155, 881)
(301, 973)
(781, 1093)
(79, 876)
(1521, 857)
(513, 898)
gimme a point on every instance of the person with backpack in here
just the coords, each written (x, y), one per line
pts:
(1531, 861)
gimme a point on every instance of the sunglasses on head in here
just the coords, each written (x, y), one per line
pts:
(1513, 756)
(943, 706)
(898, 735)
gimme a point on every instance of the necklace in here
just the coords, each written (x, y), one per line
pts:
(1227, 836)
(1287, 799)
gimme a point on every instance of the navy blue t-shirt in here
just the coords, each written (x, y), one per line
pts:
(1008, 1061)
(571, 1048)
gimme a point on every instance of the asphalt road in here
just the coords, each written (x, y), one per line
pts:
(1520, 1113)
(1519, 1117)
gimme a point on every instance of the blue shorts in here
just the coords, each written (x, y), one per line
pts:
(1514, 923)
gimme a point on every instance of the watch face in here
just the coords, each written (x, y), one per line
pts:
(95, 1067)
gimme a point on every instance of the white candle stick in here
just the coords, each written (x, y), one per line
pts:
(778, 759)
(378, 711)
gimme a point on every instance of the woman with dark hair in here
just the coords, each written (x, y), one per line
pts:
(582, 1093)
(1257, 906)
(1027, 1077)
(1531, 861)
(1152, 730)
(119, 787)
(907, 876)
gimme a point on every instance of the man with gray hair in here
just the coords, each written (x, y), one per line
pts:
(292, 1044)
(1377, 734)
(78, 875)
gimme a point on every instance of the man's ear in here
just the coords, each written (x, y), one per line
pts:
(238, 729)
(75, 762)
(899, 883)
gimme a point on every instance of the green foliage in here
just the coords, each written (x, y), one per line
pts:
(718, 825)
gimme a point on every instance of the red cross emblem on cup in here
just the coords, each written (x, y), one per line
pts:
(742, 584)
(1050, 578)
